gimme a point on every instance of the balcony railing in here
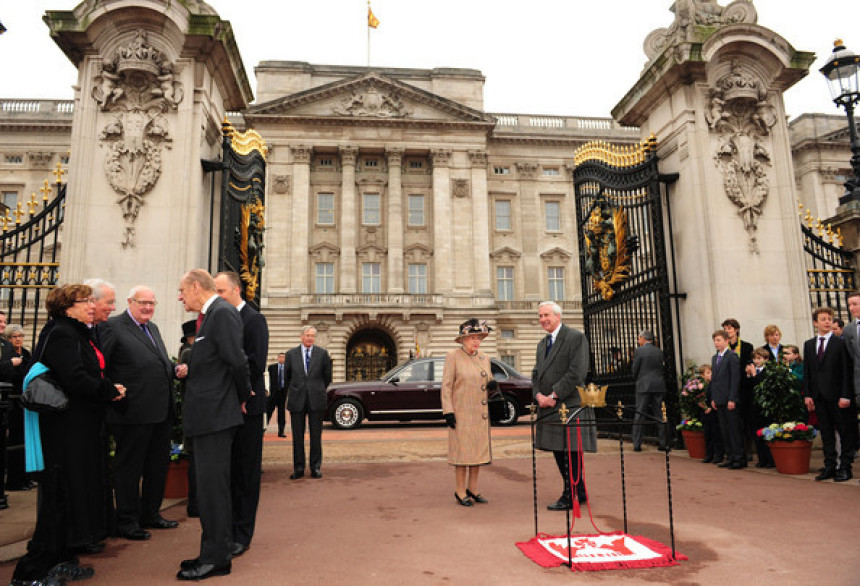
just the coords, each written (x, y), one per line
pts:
(373, 300)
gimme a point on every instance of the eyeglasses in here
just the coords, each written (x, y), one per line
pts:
(87, 300)
(145, 303)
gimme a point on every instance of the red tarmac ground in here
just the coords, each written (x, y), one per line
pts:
(384, 513)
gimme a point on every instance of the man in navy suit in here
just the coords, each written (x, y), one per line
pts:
(650, 387)
(217, 387)
(828, 390)
(308, 373)
(248, 443)
(278, 393)
(725, 399)
(135, 356)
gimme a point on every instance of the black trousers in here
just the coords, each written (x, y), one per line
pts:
(649, 404)
(831, 419)
(278, 400)
(212, 471)
(16, 474)
(561, 462)
(315, 421)
(713, 438)
(730, 429)
(245, 477)
(140, 471)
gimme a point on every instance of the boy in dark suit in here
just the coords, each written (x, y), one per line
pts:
(829, 391)
(725, 398)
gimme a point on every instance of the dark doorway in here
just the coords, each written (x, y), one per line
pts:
(370, 353)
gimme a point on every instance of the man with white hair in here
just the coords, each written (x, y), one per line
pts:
(104, 297)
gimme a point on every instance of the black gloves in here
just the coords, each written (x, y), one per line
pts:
(450, 420)
(492, 385)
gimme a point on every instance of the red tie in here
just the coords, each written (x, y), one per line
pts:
(199, 321)
(820, 348)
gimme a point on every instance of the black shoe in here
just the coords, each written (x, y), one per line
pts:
(192, 511)
(160, 523)
(89, 549)
(316, 474)
(559, 505)
(637, 448)
(70, 572)
(282, 434)
(135, 534)
(736, 465)
(843, 475)
(708, 460)
(466, 502)
(826, 474)
(4, 503)
(478, 498)
(238, 549)
(203, 571)
(297, 474)
(187, 564)
(725, 464)
(25, 486)
(718, 460)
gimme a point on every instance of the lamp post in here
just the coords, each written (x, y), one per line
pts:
(842, 72)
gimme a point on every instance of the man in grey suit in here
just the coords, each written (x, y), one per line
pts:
(650, 387)
(218, 385)
(135, 356)
(562, 365)
(308, 373)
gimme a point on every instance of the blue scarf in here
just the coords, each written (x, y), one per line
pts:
(32, 437)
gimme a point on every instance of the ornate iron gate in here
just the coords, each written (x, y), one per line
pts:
(243, 197)
(829, 269)
(29, 253)
(623, 266)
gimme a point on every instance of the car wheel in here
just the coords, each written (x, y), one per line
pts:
(347, 414)
(510, 413)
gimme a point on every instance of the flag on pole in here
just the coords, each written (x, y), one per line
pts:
(372, 21)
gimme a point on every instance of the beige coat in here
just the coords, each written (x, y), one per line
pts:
(464, 393)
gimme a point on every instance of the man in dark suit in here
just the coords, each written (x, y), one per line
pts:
(725, 399)
(308, 373)
(248, 444)
(278, 392)
(561, 365)
(217, 387)
(650, 387)
(828, 389)
(744, 352)
(136, 357)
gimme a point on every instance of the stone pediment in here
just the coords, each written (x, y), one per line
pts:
(366, 97)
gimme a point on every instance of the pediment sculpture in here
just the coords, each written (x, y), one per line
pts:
(739, 111)
(137, 86)
(372, 103)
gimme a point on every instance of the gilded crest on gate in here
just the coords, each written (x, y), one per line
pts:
(606, 250)
(251, 245)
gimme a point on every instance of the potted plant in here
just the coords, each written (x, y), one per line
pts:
(176, 485)
(791, 445)
(694, 437)
(690, 400)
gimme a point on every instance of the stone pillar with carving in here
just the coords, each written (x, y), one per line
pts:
(155, 80)
(480, 223)
(442, 234)
(396, 225)
(348, 219)
(301, 214)
(737, 239)
(532, 221)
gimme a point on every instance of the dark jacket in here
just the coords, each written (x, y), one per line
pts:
(648, 369)
(255, 342)
(831, 378)
(307, 390)
(725, 378)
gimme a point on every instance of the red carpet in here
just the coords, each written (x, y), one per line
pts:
(607, 551)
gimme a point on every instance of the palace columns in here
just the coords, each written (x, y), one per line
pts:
(300, 227)
(348, 218)
(531, 216)
(395, 221)
(480, 223)
(442, 253)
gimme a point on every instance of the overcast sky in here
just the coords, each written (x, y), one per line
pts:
(563, 57)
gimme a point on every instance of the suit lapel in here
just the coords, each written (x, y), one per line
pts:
(553, 352)
(138, 332)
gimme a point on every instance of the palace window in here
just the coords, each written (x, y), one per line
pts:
(325, 208)
(553, 216)
(14, 159)
(324, 278)
(503, 214)
(416, 210)
(417, 279)
(556, 283)
(505, 283)
(325, 162)
(497, 170)
(371, 163)
(370, 209)
(371, 277)
(550, 171)
(10, 199)
(416, 164)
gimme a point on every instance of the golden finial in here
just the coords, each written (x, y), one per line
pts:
(18, 213)
(839, 236)
(563, 413)
(663, 409)
(6, 219)
(620, 410)
(59, 172)
(32, 203)
(46, 189)
(808, 217)
(592, 395)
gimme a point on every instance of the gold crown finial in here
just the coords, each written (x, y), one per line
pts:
(592, 395)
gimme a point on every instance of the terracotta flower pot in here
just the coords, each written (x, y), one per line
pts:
(695, 442)
(791, 457)
(176, 486)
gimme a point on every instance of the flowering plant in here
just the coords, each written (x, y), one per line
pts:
(177, 452)
(787, 432)
(690, 425)
(692, 395)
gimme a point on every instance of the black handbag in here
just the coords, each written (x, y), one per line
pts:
(43, 394)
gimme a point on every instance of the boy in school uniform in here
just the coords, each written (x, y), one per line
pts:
(725, 399)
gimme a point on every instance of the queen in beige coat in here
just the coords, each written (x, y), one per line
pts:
(465, 381)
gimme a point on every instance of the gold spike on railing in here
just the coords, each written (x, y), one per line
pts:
(59, 172)
(46, 189)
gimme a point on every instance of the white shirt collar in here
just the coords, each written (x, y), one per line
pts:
(209, 303)
(555, 332)
(241, 305)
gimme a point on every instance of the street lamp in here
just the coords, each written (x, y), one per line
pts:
(842, 71)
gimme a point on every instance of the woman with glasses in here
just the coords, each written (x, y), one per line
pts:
(74, 494)
(16, 477)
